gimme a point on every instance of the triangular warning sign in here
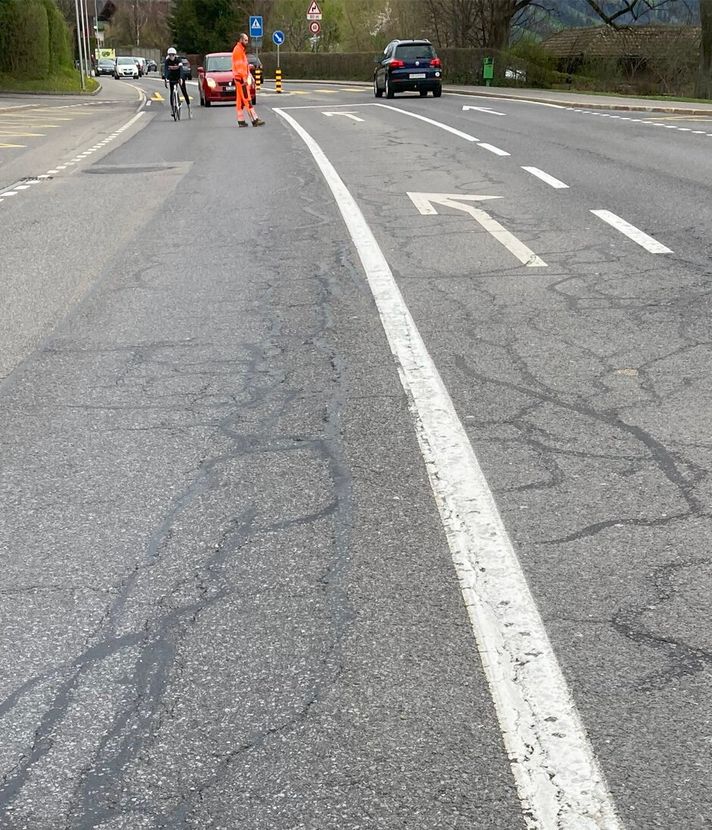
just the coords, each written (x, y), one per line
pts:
(256, 25)
(314, 8)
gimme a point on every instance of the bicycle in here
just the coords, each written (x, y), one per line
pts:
(176, 101)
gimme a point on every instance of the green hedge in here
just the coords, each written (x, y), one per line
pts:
(525, 65)
(60, 53)
(460, 66)
(33, 39)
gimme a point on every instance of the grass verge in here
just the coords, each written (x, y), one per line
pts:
(65, 81)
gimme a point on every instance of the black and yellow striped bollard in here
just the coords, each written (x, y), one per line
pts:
(258, 78)
(278, 80)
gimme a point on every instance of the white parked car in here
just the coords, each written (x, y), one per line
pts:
(126, 67)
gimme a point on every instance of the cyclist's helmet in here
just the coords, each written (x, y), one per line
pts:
(171, 51)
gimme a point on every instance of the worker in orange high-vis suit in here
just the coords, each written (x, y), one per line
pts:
(243, 82)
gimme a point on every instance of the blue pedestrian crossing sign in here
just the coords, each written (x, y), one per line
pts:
(278, 38)
(256, 26)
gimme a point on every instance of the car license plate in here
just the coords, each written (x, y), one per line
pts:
(417, 75)
(230, 88)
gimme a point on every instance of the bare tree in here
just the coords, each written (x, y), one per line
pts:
(485, 23)
(630, 10)
(704, 75)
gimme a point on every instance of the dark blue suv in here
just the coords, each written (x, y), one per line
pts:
(408, 66)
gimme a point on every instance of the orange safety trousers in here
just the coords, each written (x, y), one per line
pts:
(242, 98)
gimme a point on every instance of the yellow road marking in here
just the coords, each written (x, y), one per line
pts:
(32, 116)
(12, 145)
(23, 116)
(681, 118)
(12, 125)
(20, 135)
(157, 97)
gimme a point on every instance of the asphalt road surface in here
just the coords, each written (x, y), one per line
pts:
(354, 470)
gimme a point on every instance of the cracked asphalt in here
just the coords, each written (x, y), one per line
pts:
(228, 599)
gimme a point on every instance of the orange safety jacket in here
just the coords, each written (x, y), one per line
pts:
(240, 66)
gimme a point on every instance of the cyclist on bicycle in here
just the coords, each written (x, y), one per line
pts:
(174, 75)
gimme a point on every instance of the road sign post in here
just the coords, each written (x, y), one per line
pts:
(278, 40)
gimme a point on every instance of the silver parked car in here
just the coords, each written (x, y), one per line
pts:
(126, 67)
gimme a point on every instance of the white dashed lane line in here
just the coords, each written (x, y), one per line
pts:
(493, 149)
(27, 184)
(648, 123)
(545, 177)
(642, 238)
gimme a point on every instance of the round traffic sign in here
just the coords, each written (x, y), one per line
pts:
(314, 27)
(278, 38)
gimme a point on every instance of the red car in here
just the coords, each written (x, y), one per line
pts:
(215, 82)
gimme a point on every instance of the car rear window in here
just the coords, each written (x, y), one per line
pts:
(413, 51)
(220, 63)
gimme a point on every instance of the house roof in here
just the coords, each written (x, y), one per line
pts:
(604, 41)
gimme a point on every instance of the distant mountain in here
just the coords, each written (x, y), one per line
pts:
(568, 14)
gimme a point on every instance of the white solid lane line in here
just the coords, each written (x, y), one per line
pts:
(442, 126)
(545, 177)
(558, 778)
(632, 232)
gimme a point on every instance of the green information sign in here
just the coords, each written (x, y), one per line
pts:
(488, 70)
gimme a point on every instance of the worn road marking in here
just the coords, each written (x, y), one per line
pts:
(632, 232)
(350, 115)
(558, 778)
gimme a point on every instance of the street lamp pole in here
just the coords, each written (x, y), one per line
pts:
(87, 45)
(80, 46)
(96, 26)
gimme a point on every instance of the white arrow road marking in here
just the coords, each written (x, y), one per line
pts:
(350, 115)
(559, 781)
(545, 177)
(632, 232)
(425, 203)
(483, 109)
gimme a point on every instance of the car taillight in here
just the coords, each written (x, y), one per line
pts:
(435, 62)
(397, 64)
